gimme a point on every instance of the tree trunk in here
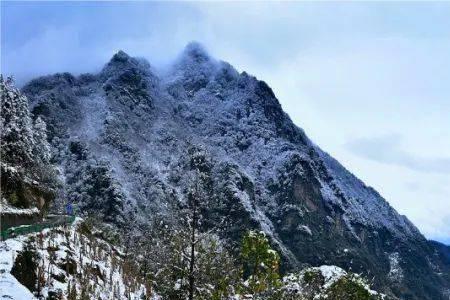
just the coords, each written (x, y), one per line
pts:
(192, 256)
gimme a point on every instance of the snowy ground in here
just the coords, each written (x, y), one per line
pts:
(98, 266)
(10, 288)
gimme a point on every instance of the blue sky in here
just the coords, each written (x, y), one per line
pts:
(369, 82)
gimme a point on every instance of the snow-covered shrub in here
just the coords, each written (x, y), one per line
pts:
(327, 282)
(350, 286)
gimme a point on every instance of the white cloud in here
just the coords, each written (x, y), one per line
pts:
(387, 150)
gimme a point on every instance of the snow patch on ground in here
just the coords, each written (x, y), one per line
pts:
(331, 274)
(10, 288)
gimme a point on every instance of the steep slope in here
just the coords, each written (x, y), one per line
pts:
(127, 140)
(69, 263)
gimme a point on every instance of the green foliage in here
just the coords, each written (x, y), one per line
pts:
(15, 201)
(350, 287)
(260, 263)
(92, 226)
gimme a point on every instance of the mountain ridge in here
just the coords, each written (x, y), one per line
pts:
(142, 129)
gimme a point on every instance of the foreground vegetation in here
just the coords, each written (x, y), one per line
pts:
(76, 263)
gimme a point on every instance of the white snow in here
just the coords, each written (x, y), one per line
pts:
(331, 274)
(87, 252)
(5, 208)
(395, 270)
(305, 229)
(10, 288)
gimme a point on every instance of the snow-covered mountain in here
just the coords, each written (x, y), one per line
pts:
(127, 139)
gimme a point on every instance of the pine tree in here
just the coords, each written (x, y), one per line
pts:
(16, 126)
(260, 263)
(217, 271)
(93, 186)
(28, 179)
(188, 261)
(41, 149)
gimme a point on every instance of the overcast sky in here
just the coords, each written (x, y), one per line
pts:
(369, 83)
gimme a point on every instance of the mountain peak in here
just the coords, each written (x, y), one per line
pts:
(194, 66)
(122, 61)
(196, 52)
(120, 56)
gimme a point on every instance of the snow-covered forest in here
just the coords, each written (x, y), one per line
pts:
(191, 183)
(171, 260)
(28, 178)
(76, 262)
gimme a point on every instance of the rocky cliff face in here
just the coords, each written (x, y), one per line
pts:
(126, 140)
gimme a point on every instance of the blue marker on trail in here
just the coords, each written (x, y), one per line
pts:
(69, 209)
